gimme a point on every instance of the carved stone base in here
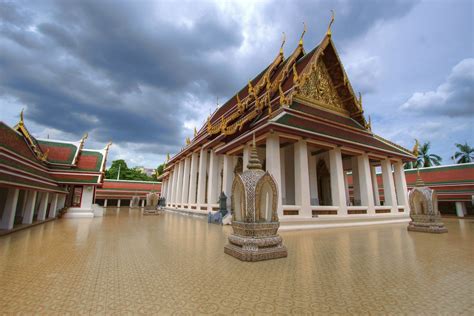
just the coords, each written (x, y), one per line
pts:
(427, 224)
(150, 210)
(436, 228)
(258, 254)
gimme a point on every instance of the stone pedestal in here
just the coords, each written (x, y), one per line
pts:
(424, 213)
(255, 242)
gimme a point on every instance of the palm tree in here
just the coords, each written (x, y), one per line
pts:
(425, 159)
(465, 153)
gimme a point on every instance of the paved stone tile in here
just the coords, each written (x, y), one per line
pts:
(126, 263)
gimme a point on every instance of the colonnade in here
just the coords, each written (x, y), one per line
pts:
(25, 204)
(311, 179)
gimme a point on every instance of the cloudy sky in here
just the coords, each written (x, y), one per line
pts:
(144, 73)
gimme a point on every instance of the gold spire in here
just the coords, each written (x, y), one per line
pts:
(188, 141)
(302, 34)
(283, 41)
(254, 162)
(240, 106)
(21, 122)
(329, 33)
(195, 131)
(369, 124)
(415, 148)
(167, 157)
(360, 99)
(250, 88)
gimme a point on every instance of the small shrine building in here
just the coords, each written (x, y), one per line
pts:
(311, 132)
(38, 177)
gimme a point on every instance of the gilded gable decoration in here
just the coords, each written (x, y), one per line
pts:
(319, 87)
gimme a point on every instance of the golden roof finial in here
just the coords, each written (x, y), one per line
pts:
(188, 141)
(360, 99)
(195, 131)
(415, 148)
(369, 124)
(333, 14)
(250, 88)
(167, 157)
(108, 145)
(283, 41)
(302, 34)
(21, 122)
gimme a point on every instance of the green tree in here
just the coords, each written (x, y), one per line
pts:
(425, 159)
(113, 171)
(465, 153)
(160, 169)
(126, 173)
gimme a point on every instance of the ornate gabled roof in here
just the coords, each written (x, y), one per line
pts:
(46, 164)
(316, 80)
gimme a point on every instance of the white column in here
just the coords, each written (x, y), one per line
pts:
(30, 207)
(175, 184)
(338, 194)
(346, 187)
(273, 164)
(201, 189)
(193, 178)
(61, 201)
(163, 187)
(118, 203)
(228, 178)
(365, 183)
(302, 195)
(401, 185)
(8, 216)
(246, 155)
(313, 179)
(43, 206)
(143, 203)
(460, 209)
(54, 206)
(179, 187)
(185, 193)
(283, 177)
(212, 182)
(105, 203)
(388, 185)
(169, 188)
(355, 181)
(375, 185)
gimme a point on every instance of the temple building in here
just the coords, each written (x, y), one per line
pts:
(311, 133)
(39, 177)
(117, 193)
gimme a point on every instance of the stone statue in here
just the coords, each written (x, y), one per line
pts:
(424, 213)
(255, 220)
(151, 207)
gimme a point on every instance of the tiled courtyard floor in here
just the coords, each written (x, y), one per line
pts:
(129, 263)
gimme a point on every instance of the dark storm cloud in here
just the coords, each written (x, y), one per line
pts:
(134, 71)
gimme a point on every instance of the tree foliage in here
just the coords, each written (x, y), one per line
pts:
(160, 169)
(126, 173)
(465, 153)
(425, 158)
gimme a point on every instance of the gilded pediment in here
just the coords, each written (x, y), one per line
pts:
(319, 88)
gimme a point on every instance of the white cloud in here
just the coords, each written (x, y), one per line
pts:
(454, 97)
